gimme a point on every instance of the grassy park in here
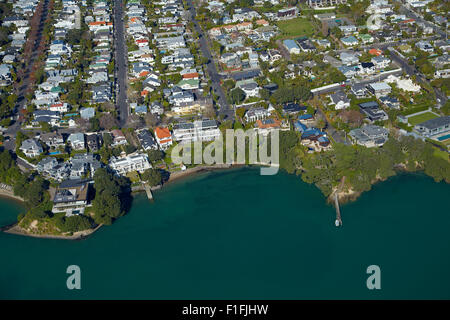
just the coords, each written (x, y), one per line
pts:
(297, 27)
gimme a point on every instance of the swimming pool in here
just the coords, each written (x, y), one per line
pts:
(447, 136)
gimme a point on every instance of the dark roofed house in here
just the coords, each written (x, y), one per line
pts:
(92, 142)
(147, 141)
(293, 108)
(71, 197)
(245, 75)
(271, 87)
(369, 135)
(372, 111)
(438, 128)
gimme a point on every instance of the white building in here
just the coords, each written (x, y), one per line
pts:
(136, 162)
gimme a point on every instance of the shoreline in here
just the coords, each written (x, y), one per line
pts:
(344, 197)
(190, 172)
(80, 235)
(10, 195)
(179, 175)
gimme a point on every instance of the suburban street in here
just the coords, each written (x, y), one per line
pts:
(411, 70)
(411, 14)
(21, 91)
(120, 63)
(224, 108)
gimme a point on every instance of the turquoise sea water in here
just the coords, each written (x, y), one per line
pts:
(238, 235)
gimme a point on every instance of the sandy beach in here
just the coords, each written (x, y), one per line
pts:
(191, 171)
(9, 194)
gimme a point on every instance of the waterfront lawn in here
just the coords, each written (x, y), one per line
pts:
(421, 118)
(297, 27)
(134, 176)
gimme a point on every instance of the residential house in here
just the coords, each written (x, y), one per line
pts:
(31, 148)
(369, 135)
(118, 138)
(438, 128)
(379, 89)
(349, 41)
(147, 141)
(256, 114)
(339, 100)
(71, 197)
(291, 46)
(381, 62)
(92, 141)
(163, 137)
(372, 111)
(76, 141)
(133, 162)
(52, 139)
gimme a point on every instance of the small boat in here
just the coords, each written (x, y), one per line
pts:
(337, 223)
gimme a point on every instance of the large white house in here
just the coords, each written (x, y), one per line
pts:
(137, 162)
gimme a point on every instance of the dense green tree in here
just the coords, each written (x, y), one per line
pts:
(237, 95)
(155, 155)
(152, 177)
(112, 196)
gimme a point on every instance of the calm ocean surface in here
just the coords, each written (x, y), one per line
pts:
(238, 235)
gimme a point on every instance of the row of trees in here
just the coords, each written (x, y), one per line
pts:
(362, 166)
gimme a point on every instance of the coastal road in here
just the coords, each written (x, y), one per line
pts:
(225, 109)
(120, 54)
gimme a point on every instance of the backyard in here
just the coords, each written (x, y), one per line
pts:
(421, 118)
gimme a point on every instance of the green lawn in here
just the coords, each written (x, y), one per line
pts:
(297, 27)
(421, 118)
(441, 154)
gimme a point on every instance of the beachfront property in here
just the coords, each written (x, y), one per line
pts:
(369, 136)
(163, 137)
(201, 130)
(437, 129)
(133, 162)
(71, 197)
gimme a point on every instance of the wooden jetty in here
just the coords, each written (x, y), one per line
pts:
(148, 191)
(338, 221)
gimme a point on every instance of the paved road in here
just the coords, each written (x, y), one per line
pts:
(120, 63)
(26, 84)
(385, 45)
(224, 108)
(411, 14)
(365, 81)
(411, 70)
